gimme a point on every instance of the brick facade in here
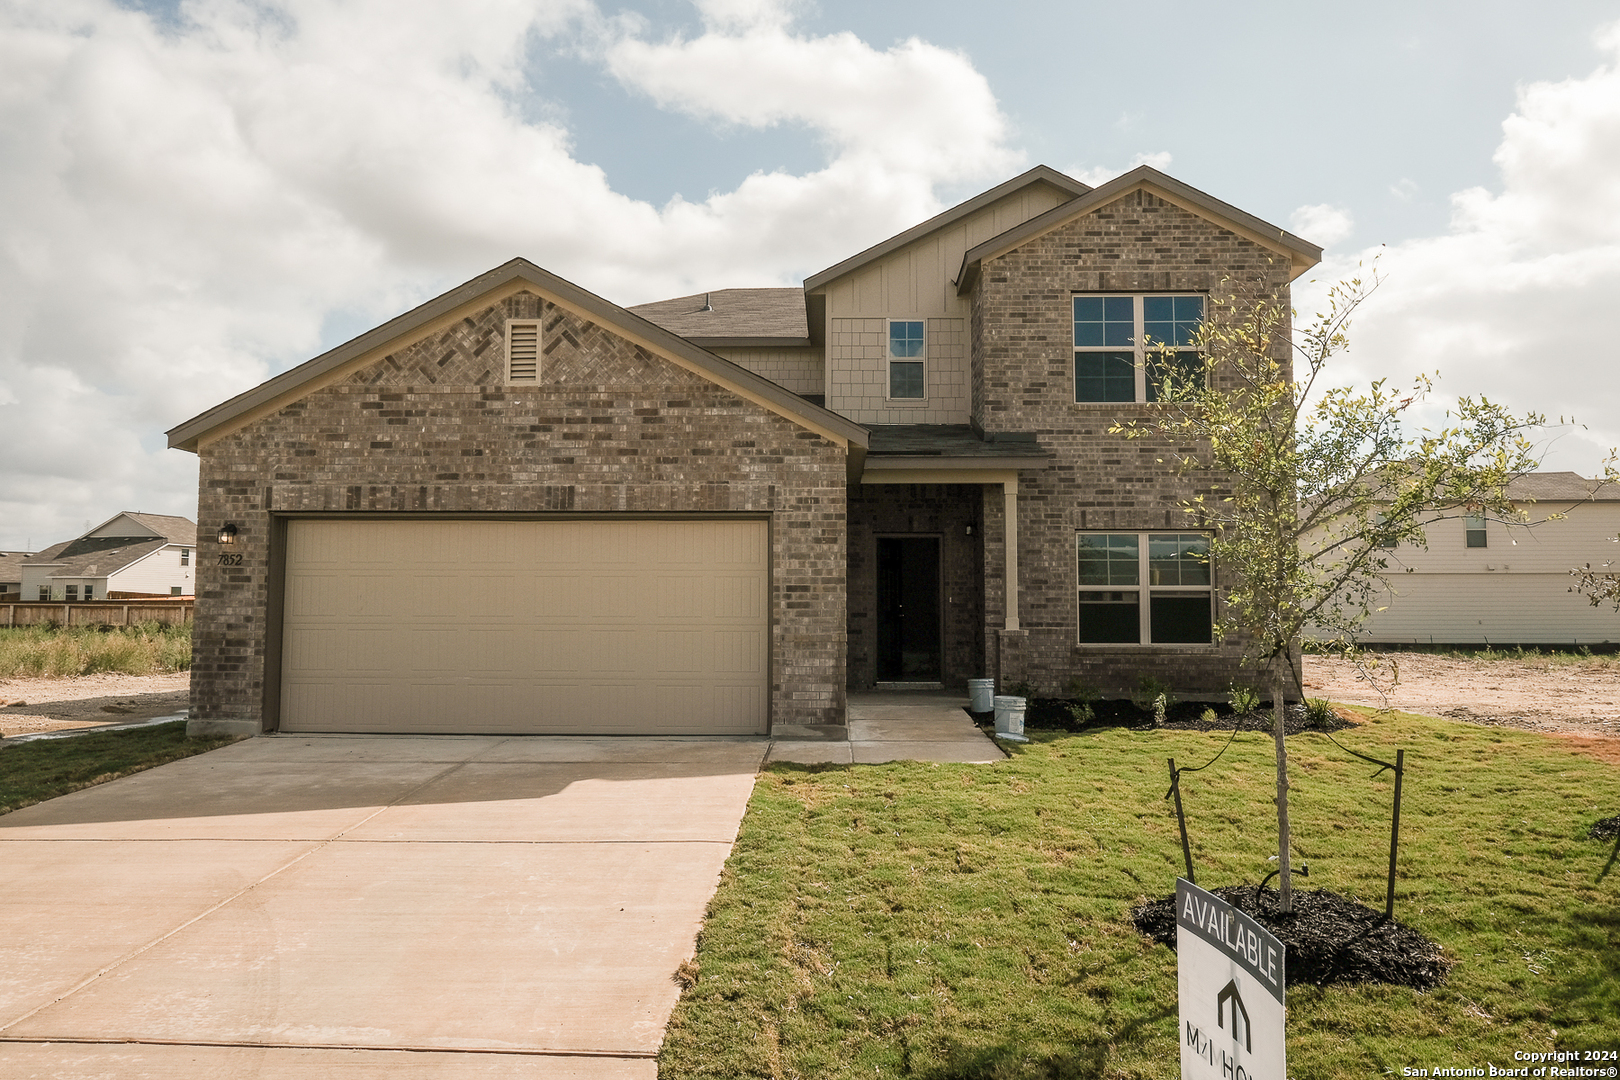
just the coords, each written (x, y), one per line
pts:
(952, 512)
(610, 427)
(1023, 363)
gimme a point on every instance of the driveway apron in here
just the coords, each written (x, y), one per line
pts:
(370, 906)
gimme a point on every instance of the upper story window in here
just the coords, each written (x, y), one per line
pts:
(185, 556)
(1474, 529)
(1145, 589)
(908, 360)
(1124, 344)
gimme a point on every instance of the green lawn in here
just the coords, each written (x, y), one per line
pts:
(973, 921)
(41, 769)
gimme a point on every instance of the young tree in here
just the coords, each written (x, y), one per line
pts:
(1315, 484)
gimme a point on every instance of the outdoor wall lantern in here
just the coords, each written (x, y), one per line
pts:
(227, 533)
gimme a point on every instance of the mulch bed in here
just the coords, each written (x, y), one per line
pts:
(1052, 714)
(1607, 829)
(1330, 938)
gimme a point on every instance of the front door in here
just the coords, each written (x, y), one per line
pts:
(908, 633)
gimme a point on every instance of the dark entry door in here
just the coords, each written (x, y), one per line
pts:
(908, 646)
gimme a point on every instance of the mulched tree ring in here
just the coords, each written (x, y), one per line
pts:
(1607, 829)
(1330, 938)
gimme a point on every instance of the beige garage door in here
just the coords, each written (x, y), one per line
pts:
(618, 627)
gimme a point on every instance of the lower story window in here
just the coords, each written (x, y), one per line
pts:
(1145, 589)
(72, 592)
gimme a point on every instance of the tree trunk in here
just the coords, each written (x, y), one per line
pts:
(1285, 882)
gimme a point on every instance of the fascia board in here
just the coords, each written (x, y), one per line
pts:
(946, 463)
(1004, 476)
(1302, 254)
(445, 310)
(1039, 174)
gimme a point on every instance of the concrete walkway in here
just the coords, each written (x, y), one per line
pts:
(891, 726)
(311, 906)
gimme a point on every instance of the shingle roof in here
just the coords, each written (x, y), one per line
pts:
(732, 315)
(98, 556)
(95, 557)
(1561, 487)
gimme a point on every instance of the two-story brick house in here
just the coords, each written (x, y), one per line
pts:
(520, 507)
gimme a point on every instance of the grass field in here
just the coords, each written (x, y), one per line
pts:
(974, 921)
(143, 649)
(41, 769)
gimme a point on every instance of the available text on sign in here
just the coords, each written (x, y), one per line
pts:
(1230, 972)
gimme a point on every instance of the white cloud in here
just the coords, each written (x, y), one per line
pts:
(1515, 301)
(188, 206)
(1322, 224)
(1098, 175)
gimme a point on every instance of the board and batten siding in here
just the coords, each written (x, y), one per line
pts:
(1515, 590)
(916, 282)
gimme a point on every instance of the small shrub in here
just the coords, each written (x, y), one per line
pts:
(1153, 696)
(1319, 713)
(1082, 712)
(1209, 716)
(1243, 699)
(1023, 688)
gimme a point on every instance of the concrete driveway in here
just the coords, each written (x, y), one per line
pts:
(304, 906)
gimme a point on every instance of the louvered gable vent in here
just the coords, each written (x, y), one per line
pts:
(522, 352)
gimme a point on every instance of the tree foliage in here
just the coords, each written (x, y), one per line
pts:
(1308, 487)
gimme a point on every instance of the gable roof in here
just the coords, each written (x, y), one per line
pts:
(1040, 174)
(736, 318)
(1561, 487)
(89, 555)
(1302, 254)
(507, 278)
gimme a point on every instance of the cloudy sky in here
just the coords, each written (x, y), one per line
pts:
(198, 194)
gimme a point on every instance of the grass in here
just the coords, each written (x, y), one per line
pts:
(970, 921)
(143, 649)
(41, 769)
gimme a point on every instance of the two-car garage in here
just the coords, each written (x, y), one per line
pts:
(604, 625)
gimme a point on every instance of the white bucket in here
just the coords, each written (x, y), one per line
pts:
(980, 693)
(1010, 717)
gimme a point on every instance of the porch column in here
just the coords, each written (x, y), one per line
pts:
(1009, 493)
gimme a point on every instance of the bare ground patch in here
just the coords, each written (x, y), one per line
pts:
(1571, 698)
(30, 705)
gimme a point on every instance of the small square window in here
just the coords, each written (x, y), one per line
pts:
(174, 590)
(1474, 530)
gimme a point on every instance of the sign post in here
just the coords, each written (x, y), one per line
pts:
(1229, 970)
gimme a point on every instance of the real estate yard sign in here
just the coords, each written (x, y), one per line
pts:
(1230, 972)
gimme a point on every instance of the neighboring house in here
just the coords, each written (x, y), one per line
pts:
(11, 572)
(521, 507)
(1500, 582)
(130, 555)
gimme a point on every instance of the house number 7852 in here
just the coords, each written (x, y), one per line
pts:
(231, 559)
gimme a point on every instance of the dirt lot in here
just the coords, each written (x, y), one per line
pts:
(1577, 702)
(32, 705)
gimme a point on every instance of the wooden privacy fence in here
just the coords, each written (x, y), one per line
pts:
(174, 612)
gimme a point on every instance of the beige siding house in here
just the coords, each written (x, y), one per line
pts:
(130, 555)
(1505, 582)
(521, 507)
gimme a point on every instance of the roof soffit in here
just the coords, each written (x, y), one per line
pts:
(1302, 254)
(437, 314)
(1041, 174)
